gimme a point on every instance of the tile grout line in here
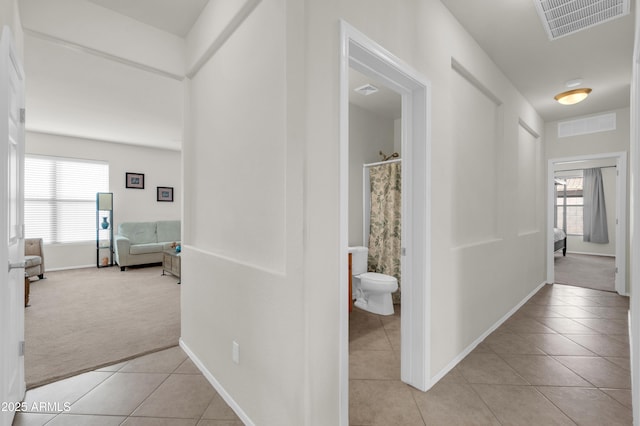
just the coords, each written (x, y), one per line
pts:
(83, 395)
(598, 333)
(149, 395)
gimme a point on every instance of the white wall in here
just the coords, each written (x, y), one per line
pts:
(242, 276)
(595, 143)
(106, 31)
(161, 168)
(477, 276)
(270, 235)
(368, 135)
(634, 228)
(96, 74)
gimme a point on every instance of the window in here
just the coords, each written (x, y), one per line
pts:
(60, 198)
(569, 205)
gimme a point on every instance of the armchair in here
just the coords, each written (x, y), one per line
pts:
(34, 257)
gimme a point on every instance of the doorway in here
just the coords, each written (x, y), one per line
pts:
(359, 53)
(375, 194)
(567, 172)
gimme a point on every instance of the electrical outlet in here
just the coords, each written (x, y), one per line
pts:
(235, 352)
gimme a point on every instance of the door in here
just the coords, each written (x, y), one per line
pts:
(12, 382)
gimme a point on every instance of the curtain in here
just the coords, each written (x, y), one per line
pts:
(595, 213)
(385, 226)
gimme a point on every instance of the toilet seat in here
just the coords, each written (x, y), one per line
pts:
(377, 278)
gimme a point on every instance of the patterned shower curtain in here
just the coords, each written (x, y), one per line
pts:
(384, 230)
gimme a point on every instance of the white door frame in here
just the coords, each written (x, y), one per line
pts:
(362, 54)
(12, 383)
(621, 214)
(634, 165)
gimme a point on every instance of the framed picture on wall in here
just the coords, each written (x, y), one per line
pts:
(135, 180)
(165, 193)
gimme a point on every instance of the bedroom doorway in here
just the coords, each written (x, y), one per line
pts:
(360, 53)
(599, 265)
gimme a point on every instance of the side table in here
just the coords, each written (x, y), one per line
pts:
(171, 263)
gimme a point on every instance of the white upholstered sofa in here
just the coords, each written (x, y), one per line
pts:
(140, 243)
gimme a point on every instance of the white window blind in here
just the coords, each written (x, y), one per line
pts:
(60, 197)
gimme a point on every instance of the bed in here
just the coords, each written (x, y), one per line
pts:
(560, 241)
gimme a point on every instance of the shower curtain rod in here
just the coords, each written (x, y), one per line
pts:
(584, 168)
(382, 162)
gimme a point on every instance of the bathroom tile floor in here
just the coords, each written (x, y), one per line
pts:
(161, 389)
(562, 358)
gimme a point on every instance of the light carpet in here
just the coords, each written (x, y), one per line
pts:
(83, 319)
(583, 270)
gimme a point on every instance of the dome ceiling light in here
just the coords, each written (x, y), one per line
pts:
(572, 97)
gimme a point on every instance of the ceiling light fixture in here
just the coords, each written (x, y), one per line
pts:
(572, 97)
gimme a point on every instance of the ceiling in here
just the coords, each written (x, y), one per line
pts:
(176, 17)
(512, 34)
(385, 102)
(508, 30)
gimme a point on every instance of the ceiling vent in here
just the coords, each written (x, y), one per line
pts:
(587, 125)
(564, 17)
(367, 89)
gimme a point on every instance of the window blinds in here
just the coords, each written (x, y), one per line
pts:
(60, 197)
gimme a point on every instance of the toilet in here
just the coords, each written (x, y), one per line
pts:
(371, 290)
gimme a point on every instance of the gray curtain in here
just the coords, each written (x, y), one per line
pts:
(595, 213)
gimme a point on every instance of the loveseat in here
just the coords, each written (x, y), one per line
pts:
(140, 243)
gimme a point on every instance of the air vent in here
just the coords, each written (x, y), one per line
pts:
(367, 89)
(564, 17)
(587, 125)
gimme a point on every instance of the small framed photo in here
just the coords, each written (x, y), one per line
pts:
(135, 180)
(165, 193)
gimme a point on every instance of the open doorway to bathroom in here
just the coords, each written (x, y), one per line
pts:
(587, 205)
(361, 54)
(375, 223)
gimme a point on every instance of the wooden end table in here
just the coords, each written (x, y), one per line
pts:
(171, 263)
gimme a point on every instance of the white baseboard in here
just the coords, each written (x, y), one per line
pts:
(483, 336)
(590, 254)
(67, 268)
(216, 385)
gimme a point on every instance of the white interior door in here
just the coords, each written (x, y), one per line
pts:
(12, 383)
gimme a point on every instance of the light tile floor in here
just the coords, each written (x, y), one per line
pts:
(563, 358)
(164, 389)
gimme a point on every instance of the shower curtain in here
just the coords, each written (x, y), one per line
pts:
(385, 225)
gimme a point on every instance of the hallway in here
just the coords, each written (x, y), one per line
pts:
(562, 358)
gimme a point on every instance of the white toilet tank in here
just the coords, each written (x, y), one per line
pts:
(358, 260)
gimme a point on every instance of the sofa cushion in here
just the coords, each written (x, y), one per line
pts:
(168, 230)
(30, 261)
(146, 248)
(139, 232)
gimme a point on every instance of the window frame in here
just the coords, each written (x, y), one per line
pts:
(564, 195)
